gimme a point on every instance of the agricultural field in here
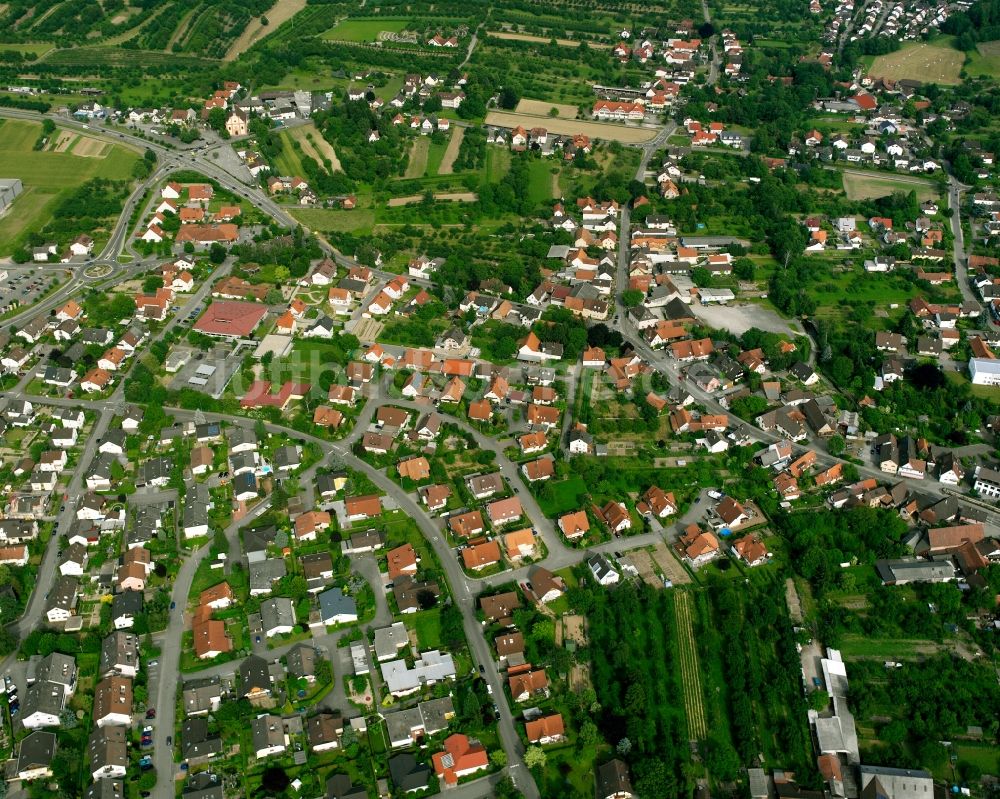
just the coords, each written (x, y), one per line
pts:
(524, 37)
(869, 187)
(929, 62)
(50, 174)
(539, 107)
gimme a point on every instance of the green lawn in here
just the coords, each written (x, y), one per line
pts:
(427, 624)
(985, 392)
(364, 29)
(288, 161)
(46, 176)
(562, 497)
(856, 646)
(434, 157)
(497, 163)
(836, 293)
(984, 60)
(35, 48)
(540, 182)
(307, 359)
(337, 221)
(866, 187)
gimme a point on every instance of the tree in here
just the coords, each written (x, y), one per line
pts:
(273, 297)
(505, 789)
(498, 757)
(151, 284)
(535, 757)
(624, 746)
(147, 780)
(217, 120)
(217, 253)
(274, 780)
(632, 297)
(8, 642)
(819, 700)
(835, 445)
(509, 98)
(589, 733)
(744, 268)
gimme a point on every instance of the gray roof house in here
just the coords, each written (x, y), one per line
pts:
(202, 696)
(34, 756)
(198, 745)
(335, 607)
(277, 615)
(268, 734)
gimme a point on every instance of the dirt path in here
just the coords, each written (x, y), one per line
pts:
(280, 12)
(417, 164)
(450, 154)
(457, 196)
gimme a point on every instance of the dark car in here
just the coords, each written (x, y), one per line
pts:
(482, 669)
(170, 740)
(151, 713)
(173, 605)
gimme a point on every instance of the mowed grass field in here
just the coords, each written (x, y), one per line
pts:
(47, 175)
(37, 49)
(929, 62)
(870, 187)
(985, 61)
(364, 30)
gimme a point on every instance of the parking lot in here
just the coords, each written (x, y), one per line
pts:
(24, 287)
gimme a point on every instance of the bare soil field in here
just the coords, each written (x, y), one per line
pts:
(579, 677)
(567, 127)
(450, 154)
(453, 196)
(525, 37)
(669, 565)
(280, 12)
(644, 565)
(574, 629)
(542, 107)
(929, 63)
(87, 147)
(62, 141)
(738, 319)
(367, 329)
